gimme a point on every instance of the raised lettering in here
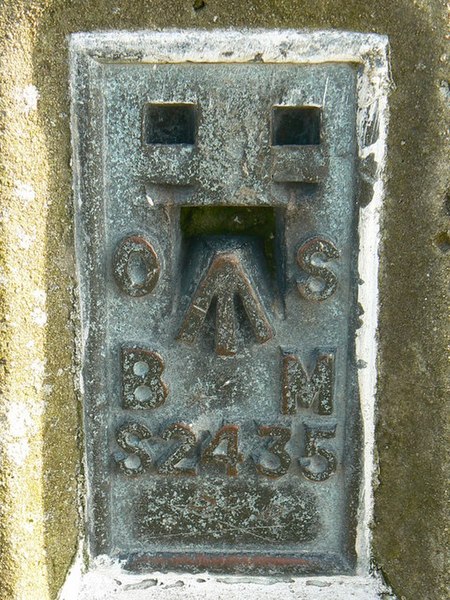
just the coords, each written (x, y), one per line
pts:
(318, 463)
(129, 437)
(280, 436)
(231, 457)
(298, 388)
(141, 379)
(224, 280)
(320, 282)
(169, 465)
(136, 266)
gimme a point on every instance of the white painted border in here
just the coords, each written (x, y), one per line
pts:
(108, 582)
(370, 51)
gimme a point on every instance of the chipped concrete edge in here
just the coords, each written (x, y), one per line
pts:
(373, 89)
(107, 581)
(100, 579)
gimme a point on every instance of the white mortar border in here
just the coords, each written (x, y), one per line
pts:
(105, 580)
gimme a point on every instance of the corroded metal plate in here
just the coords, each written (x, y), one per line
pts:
(217, 246)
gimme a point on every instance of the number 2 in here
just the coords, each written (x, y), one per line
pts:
(169, 465)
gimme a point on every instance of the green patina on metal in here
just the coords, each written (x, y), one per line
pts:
(237, 220)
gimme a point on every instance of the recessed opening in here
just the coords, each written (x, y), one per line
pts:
(170, 123)
(257, 221)
(296, 125)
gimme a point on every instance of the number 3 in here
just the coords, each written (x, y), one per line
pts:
(280, 437)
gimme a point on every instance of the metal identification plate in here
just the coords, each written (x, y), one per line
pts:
(217, 211)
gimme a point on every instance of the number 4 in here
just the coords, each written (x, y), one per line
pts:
(231, 457)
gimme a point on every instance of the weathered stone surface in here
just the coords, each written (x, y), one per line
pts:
(39, 514)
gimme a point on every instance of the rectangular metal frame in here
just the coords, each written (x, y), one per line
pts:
(88, 52)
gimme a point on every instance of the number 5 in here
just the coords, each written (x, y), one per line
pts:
(318, 463)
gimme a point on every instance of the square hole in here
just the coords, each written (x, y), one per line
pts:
(170, 123)
(256, 221)
(296, 125)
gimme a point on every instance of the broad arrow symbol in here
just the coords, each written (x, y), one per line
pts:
(224, 280)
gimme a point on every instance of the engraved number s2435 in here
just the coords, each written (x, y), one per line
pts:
(318, 462)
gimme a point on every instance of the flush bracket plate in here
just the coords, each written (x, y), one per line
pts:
(227, 190)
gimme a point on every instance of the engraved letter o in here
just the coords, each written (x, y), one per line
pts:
(136, 266)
